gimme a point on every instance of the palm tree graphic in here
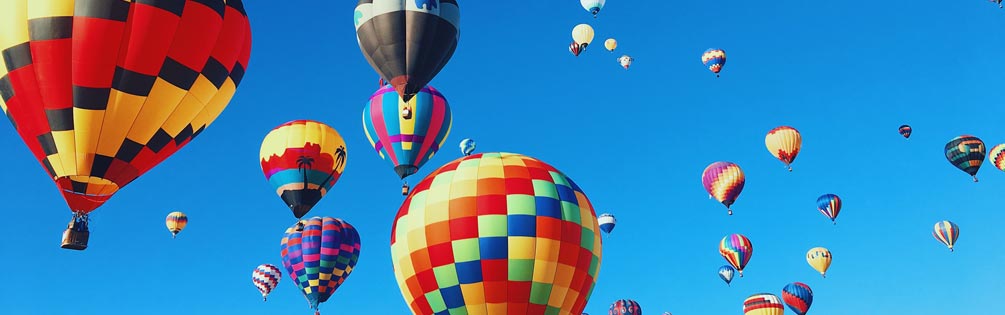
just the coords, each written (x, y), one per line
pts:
(303, 163)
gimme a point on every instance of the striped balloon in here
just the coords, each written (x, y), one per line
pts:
(176, 221)
(905, 131)
(820, 259)
(714, 59)
(830, 206)
(607, 222)
(319, 254)
(798, 296)
(997, 156)
(763, 304)
(784, 143)
(266, 277)
(966, 152)
(724, 181)
(625, 307)
(726, 273)
(736, 249)
(946, 232)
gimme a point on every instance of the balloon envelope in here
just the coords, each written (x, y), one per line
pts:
(966, 153)
(798, 296)
(724, 181)
(593, 6)
(319, 254)
(625, 307)
(610, 44)
(266, 277)
(726, 273)
(607, 222)
(736, 249)
(467, 146)
(176, 221)
(302, 160)
(407, 142)
(582, 34)
(714, 59)
(784, 143)
(946, 232)
(997, 156)
(905, 131)
(820, 259)
(763, 304)
(829, 205)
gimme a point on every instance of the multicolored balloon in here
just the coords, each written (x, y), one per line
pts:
(997, 156)
(103, 91)
(736, 249)
(625, 307)
(575, 49)
(593, 6)
(407, 42)
(798, 296)
(319, 254)
(714, 59)
(905, 131)
(528, 215)
(966, 153)
(724, 181)
(820, 259)
(467, 146)
(582, 34)
(407, 134)
(607, 222)
(830, 206)
(302, 160)
(763, 304)
(726, 273)
(625, 61)
(266, 277)
(784, 143)
(611, 44)
(946, 232)
(176, 221)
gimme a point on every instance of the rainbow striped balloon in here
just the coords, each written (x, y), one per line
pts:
(997, 156)
(946, 232)
(266, 277)
(319, 254)
(830, 206)
(763, 304)
(407, 133)
(176, 221)
(724, 181)
(798, 296)
(736, 249)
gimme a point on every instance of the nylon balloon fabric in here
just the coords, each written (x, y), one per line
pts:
(784, 143)
(496, 234)
(103, 91)
(319, 254)
(798, 296)
(302, 160)
(905, 131)
(829, 205)
(763, 304)
(714, 59)
(736, 249)
(625, 307)
(176, 221)
(966, 153)
(408, 143)
(997, 156)
(820, 259)
(724, 181)
(946, 232)
(266, 277)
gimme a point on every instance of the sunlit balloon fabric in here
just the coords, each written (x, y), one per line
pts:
(593, 6)
(784, 143)
(905, 131)
(997, 156)
(407, 41)
(176, 221)
(302, 160)
(830, 206)
(724, 181)
(798, 296)
(611, 44)
(714, 59)
(582, 34)
(102, 91)
(736, 249)
(820, 259)
(966, 153)
(763, 304)
(946, 232)
(496, 234)
(726, 273)
(625, 307)
(407, 142)
(266, 277)
(319, 254)
(467, 146)
(607, 222)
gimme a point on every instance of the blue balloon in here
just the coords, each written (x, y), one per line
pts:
(467, 146)
(726, 273)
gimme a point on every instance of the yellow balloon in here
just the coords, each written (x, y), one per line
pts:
(820, 259)
(784, 143)
(176, 222)
(610, 44)
(582, 34)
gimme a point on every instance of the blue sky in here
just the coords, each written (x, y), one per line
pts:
(844, 73)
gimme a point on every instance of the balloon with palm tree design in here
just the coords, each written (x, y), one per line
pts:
(303, 159)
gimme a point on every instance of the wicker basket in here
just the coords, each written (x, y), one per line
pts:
(74, 238)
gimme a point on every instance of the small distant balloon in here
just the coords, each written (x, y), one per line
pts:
(798, 296)
(820, 259)
(724, 181)
(830, 206)
(784, 143)
(266, 277)
(946, 232)
(726, 273)
(610, 44)
(905, 131)
(625, 61)
(737, 250)
(997, 156)
(607, 222)
(966, 153)
(593, 6)
(625, 307)
(714, 59)
(176, 221)
(575, 49)
(467, 146)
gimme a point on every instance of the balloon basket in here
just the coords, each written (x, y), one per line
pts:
(76, 240)
(404, 190)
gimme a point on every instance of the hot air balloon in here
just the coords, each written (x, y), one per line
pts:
(593, 6)
(820, 259)
(726, 273)
(131, 84)
(266, 277)
(966, 152)
(763, 304)
(736, 249)
(798, 296)
(176, 221)
(407, 42)
(407, 140)
(724, 181)
(319, 254)
(830, 206)
(998, 1)
(784, 143)
(302, 160)
(714, 59)
(607, 222)
(946, 232)
(531, 229)
(625, 307)
(610, 44)
(582, 34)
(575, 49)
(905, 131)
(625, 61)
(467, 146)
(997, 156)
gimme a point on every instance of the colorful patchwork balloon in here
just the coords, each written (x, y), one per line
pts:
(798, 296)
(946, 232)
(905, 131)
(763, 304)
(319, 254)
(176, 221)
(966, 152)
(997, 156)
(714, 59)
(724, 181)
(736, 249)
(726, 273)
(496, 234)
(625, 307)
(302, 160)
(820, 259)
(266, 277)
(607, 222)
(784, 143)
(830, 206)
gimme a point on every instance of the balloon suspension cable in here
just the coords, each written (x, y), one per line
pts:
(81, 221)
(741, 273)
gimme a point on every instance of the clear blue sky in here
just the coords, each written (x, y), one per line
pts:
(844, 73)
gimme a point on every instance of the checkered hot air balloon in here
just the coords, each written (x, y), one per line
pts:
(724, 181)
(625, 307)
(946, 232)
(736, 249)
(966, 153)
(319, 254)
(784, 143)
(830, 206)
(103, 91)
(176, 221)
(266, 277)
(997, 156)
(496, 234)
(763, 304)
(714, 59)
(798, 296)
(302, 160)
